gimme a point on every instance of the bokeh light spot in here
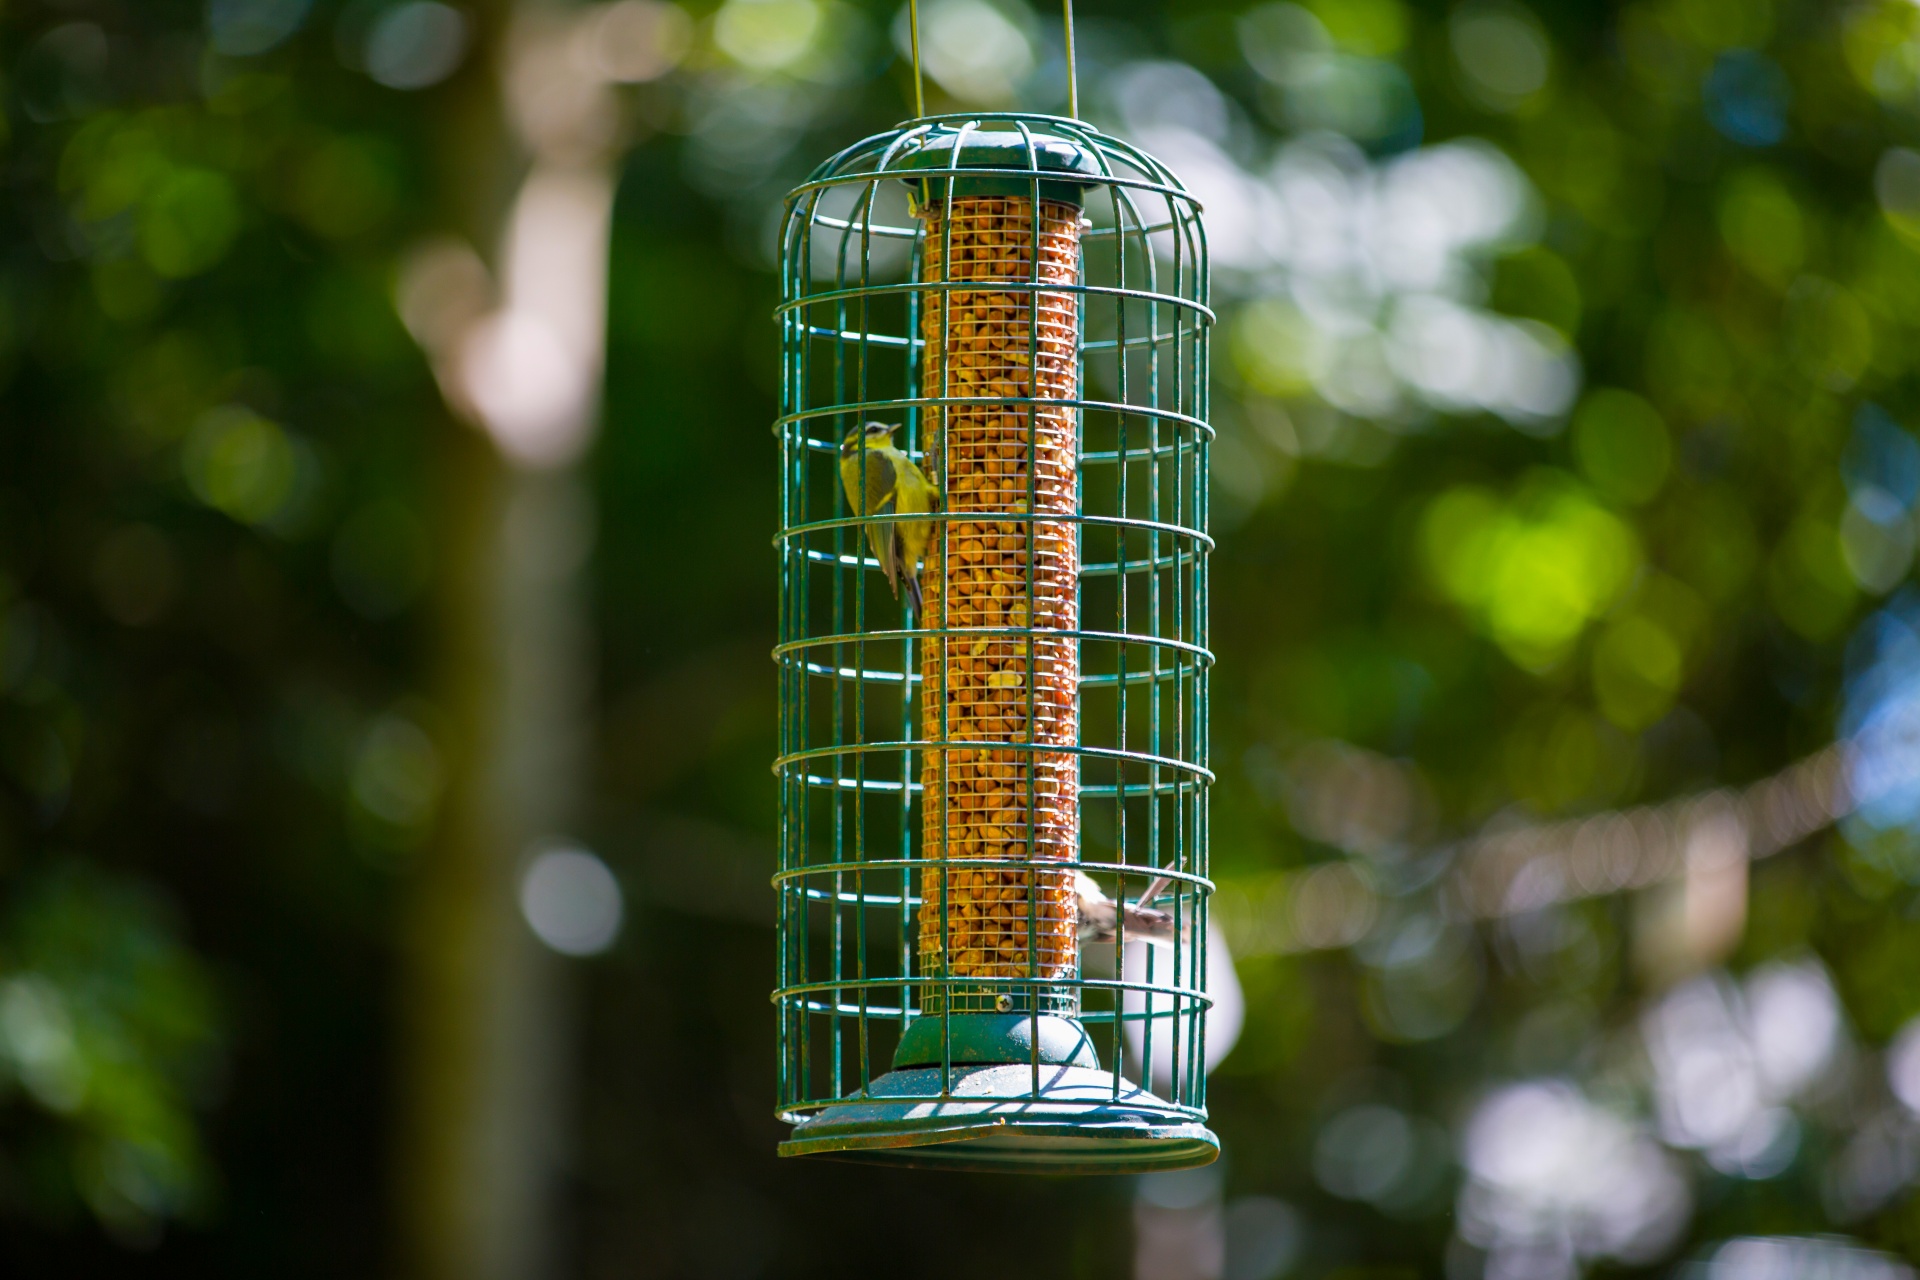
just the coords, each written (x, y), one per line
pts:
(1746, 97)
(1621, 444)
(1502, 53)
(634, 41)
(977, 51)
(188, 221)
(1636, 671)
(1362, 1152)
(1896, 184)
(240, 463)
(767, 35)
(1903, 1066)
(1554, 1179)
(1277, 39)
(37, 1036)
(398, 774)
(1829, 331)
(1370, 28)
(241, 28)
(416, 45)
(571, 901)
(1808, 582)
(1876, 539)
(1537, 283)
(1882, 455)
(1264, 1237)
(1797, 1258)
(63, 74)
(346, 187)
(1763, 226)
(1275, 349)
(1533, 570)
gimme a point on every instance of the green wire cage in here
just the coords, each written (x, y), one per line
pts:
(965, 789)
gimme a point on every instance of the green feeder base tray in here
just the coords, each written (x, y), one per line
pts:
(992, 1118)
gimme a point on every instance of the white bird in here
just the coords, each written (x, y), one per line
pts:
(1101, 916)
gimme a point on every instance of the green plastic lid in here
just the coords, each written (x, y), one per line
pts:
(1066, 168)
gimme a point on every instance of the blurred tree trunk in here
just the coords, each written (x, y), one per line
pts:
(486, 1026)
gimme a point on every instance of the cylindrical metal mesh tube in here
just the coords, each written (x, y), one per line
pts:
(986, 928)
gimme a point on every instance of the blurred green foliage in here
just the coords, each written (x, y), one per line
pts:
(1565, 387)
(213, 510)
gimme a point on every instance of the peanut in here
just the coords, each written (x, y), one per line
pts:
(1020, 806)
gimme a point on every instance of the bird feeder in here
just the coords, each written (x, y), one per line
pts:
(1026, 300)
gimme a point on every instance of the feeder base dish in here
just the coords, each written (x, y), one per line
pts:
(994, 1119)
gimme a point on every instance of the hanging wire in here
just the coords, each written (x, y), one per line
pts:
(1073, 84)
(913, 37)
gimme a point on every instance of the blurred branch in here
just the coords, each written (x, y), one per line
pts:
(1526, 867)
(1529, 867)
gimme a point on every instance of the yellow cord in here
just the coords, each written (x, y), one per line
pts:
(1073, 87)
(913, 35)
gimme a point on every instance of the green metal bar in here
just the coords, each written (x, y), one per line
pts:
(910, 648)
(986, 172)
(836, 638)
(790, 797)
(1037, 225)
(837, 750)
(1097, 791)
(891, 1011)
(961, 402)
(917, 344)
(1166, 453)
(963, 286)
(965, 864)
(864, 205)
(876, 675)
(798, 1001)
(1103, 984)
(802, 946)
(1121, 209)
(1096, 569)
(999, 517)
(840, 297)
(946, 613)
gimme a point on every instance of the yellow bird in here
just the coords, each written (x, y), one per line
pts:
(892, 484)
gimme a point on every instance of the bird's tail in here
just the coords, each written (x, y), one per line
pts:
(881, 538)
(912, 574)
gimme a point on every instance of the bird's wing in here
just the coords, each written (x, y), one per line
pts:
(880, 481)
(917, 493)
(884, 538)
(918, 496)
(882, 471)
(875, 497)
